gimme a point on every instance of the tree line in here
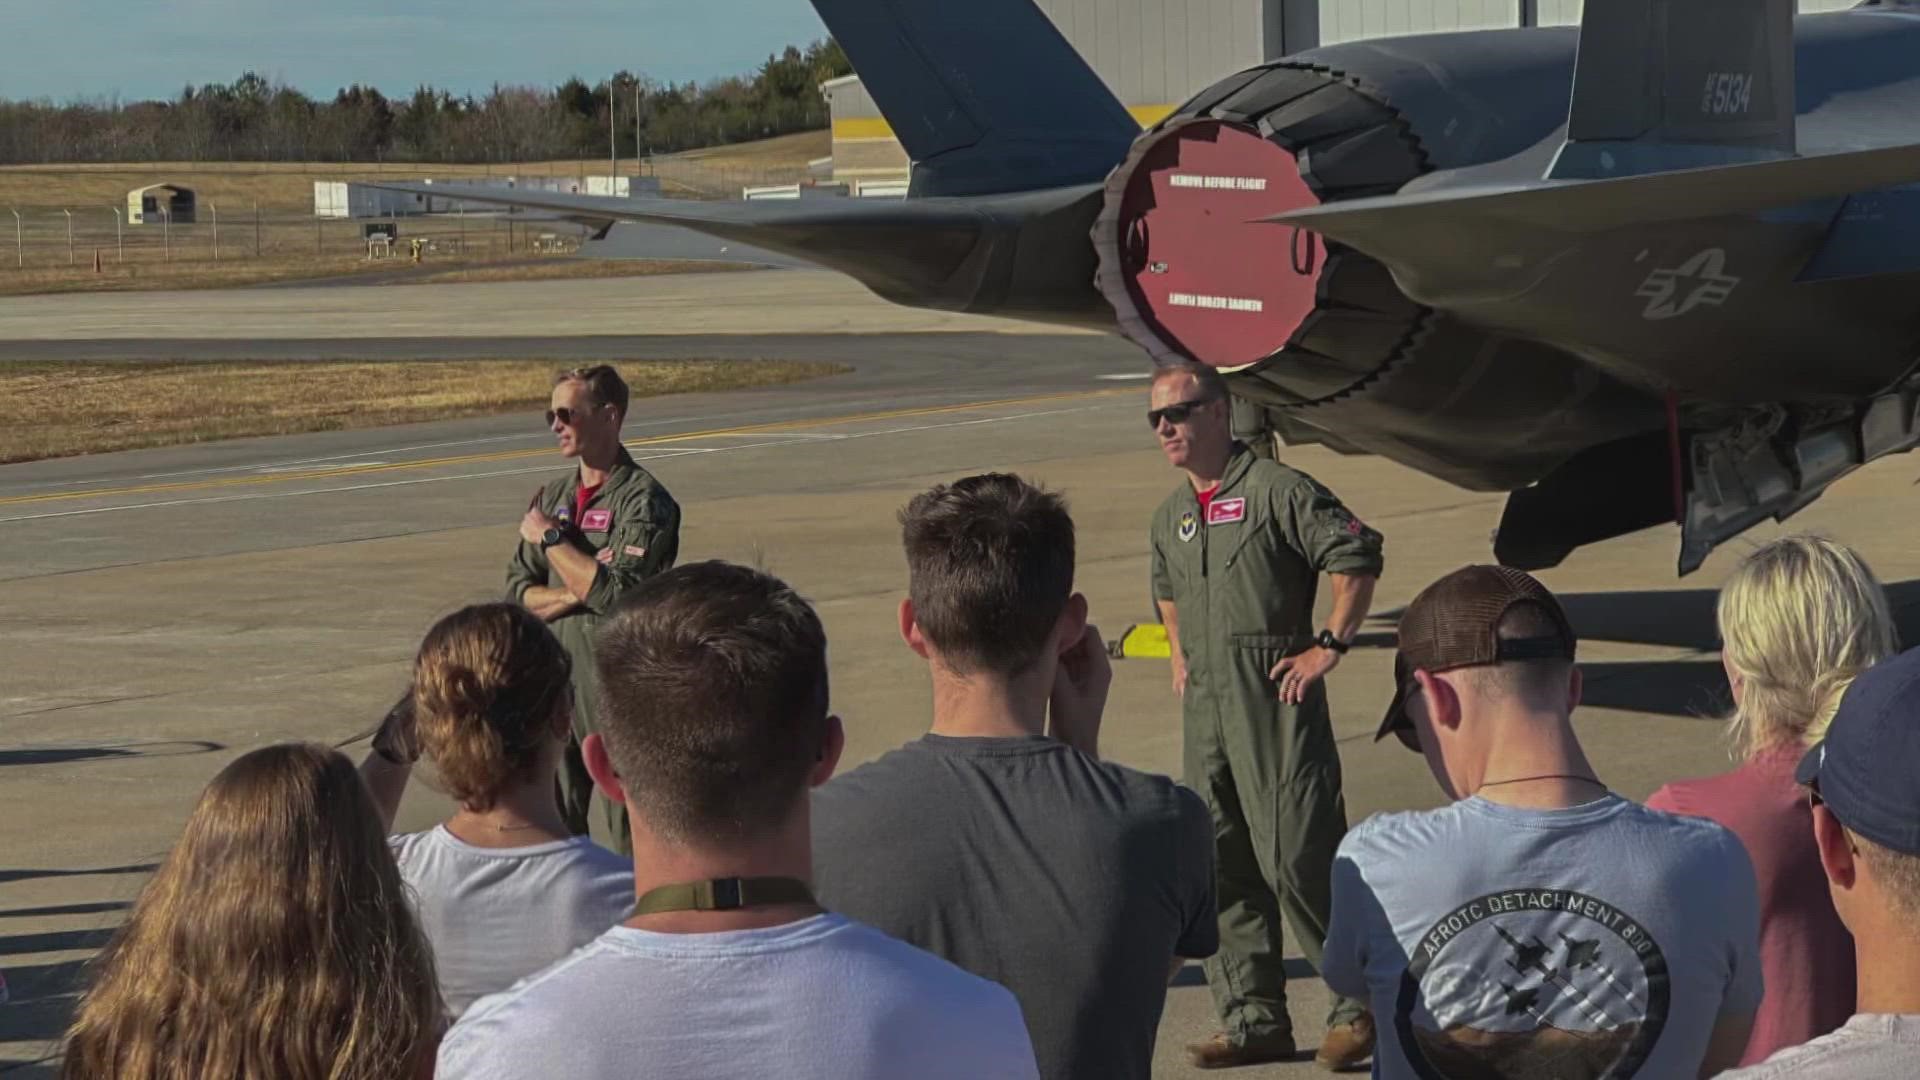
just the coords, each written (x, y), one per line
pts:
(253, 119)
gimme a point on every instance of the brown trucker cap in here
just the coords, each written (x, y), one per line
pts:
(1455, 623)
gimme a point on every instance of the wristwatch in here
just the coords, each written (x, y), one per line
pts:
(553, 535)
(1326, 640)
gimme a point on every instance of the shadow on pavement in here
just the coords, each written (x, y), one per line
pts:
(64, 755)
(97, 908)
(7, 877)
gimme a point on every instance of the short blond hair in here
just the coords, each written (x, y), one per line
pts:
(1897, 872)
(604, 385)
(1800, 618)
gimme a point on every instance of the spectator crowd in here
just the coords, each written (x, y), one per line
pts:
(994, 898)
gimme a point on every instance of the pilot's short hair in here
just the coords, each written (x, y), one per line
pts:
(1212, 385)
(604, 385)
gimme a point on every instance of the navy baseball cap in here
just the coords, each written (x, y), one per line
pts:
(1867, 768)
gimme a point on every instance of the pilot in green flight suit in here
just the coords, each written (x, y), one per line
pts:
(1237, 551)
(590, 535)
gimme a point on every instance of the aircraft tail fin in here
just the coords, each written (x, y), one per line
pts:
(1674, 84)
(986, 96)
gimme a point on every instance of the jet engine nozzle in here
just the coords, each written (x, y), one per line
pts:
(1191, 269)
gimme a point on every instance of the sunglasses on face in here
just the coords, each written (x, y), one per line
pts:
(568, 416)
(1176, 413)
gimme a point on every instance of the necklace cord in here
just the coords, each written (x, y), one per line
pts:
(1546, 776)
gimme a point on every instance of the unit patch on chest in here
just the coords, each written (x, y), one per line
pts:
(596, 520)
(1226, 511)
(1189, 527)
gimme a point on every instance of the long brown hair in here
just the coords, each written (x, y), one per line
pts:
(274, 942)
(489, 685)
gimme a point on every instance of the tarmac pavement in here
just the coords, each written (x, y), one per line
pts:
(167, 610)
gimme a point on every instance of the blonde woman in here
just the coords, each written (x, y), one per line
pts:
(1799, 619)
(502, 886)
(274, 943)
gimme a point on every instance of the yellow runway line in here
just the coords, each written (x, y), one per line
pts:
(545, 451)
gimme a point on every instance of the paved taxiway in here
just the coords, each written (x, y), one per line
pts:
(166, 610)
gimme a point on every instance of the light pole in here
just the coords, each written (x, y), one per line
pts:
(19, 253)
(166, 224)
(119, 241)
(69, 214)
(216, 231)
(613, 148)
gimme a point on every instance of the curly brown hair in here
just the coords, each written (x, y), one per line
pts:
(490, 685)
(274, 941)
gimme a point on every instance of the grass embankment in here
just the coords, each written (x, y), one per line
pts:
(62, 408)
(242, 272)
(289, 185)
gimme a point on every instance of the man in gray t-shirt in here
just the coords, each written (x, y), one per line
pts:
(1539, 927)
(999, 841)
(1864, 779)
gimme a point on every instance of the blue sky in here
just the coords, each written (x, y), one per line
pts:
(147, 48)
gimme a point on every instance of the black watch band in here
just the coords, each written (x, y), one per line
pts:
(552, 538)
(1327, 640)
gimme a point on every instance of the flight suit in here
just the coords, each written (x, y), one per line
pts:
(632, 525)
(1242, 578)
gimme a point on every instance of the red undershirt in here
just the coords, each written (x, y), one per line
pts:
(1205, 498)
(582, 495)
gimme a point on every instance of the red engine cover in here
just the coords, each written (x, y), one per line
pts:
(1199, 267)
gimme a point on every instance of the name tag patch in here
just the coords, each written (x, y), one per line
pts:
(596, 520)
(1226, 511)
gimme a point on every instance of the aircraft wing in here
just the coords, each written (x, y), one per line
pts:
(1021, 254)
(1390, 224)
(804, 228)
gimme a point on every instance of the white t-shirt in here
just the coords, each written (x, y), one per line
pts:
(1600, 940)
(494, 915)
(824, 997)
(1870, 1046)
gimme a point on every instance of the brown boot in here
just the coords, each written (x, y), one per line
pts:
(1220, 1053)
(1347, 1045)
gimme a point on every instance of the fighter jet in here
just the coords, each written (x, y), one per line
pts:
(1526, 957)
(1662, 268)
(1581, 953)
(1522, 1001)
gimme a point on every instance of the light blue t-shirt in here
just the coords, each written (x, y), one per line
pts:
(1600, 940)
(824, 998)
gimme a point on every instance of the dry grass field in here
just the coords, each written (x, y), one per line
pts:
(102, 406)
(256, 221)
(289, 186)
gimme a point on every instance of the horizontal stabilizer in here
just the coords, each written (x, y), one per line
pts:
(1022, 254)
(1393, 227)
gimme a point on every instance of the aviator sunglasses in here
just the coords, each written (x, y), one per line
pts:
(567, 416)
(1176, 413)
